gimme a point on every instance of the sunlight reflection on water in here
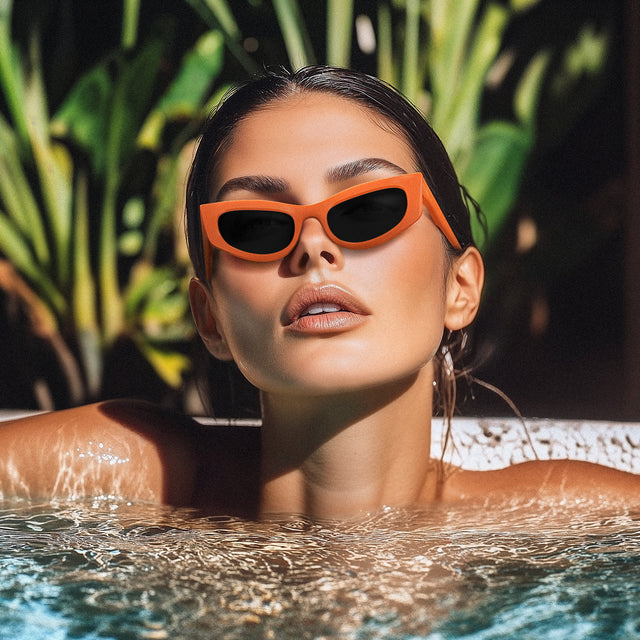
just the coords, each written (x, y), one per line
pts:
(105, 569)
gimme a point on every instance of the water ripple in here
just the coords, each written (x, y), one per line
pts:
(114, 570)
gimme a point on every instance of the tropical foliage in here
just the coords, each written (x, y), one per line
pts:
(90, 191)
(87, 193)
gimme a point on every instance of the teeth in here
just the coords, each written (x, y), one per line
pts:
(316, 309)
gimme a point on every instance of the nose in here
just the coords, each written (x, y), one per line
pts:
(314, 249)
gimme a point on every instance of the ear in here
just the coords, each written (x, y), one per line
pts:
(464, 289)
(202, 308)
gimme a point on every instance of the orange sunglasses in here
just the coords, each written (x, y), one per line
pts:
(360, 217)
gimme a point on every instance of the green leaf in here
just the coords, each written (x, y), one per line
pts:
(16, 250)
(166, 320)
(339, 29)
(217, 14)
(156, 303)
(17, 197)
(200, 67)
(84, 290)
(11, 80)
(411, 80)
(53, 163)
(585, 57)
(83, 116)
(461, 121)
(144, 279)
(221, 13)
(169, 365)
(130, 17)
(133, 89)
(167, 192)
(528, 91)
(14, 247)
(386, 65)
(494, 172)
(130, 100)
(451, 27)
(295, 34)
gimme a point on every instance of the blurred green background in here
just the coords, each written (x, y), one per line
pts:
(100, 103)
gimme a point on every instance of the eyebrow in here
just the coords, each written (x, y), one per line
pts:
(273, 185)
(256, 184)
(360, 167)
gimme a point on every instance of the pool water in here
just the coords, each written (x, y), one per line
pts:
(107, 569)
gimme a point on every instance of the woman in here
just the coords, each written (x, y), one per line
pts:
(335, 266)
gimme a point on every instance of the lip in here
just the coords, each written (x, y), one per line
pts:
(351, 311)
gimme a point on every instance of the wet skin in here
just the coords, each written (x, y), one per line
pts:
(346, 393)
(170, 459)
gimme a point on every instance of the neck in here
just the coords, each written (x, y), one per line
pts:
(336, 455)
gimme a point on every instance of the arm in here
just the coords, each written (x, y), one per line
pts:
(118, 448)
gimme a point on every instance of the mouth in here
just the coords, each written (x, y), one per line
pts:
(318, 309)
(323, 309)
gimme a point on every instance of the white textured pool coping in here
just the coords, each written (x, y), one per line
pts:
(493, 443)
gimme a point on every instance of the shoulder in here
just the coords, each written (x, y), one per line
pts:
(545, 479)
(133, 450)
(124, 448)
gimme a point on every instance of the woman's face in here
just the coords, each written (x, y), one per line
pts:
(325, 318)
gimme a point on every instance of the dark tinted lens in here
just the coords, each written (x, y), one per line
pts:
(367, 216)
(256, 231)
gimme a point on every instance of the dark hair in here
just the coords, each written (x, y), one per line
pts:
(394, 110)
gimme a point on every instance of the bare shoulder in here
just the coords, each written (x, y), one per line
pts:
(130, 449)
(133, 450)
(549, 479)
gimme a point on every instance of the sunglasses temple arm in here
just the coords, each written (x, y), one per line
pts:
(207, 252)
(438, 217)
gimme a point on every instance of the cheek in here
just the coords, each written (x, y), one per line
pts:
(416, 293)
(242, 297)
(415, 272)
(245, 302)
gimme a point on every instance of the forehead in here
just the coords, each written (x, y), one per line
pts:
(306, 134)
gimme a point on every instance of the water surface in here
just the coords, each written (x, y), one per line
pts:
(108, 569)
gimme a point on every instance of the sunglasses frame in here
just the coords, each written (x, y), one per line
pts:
(412, 184)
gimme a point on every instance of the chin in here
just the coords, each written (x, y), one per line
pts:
(335, 383)
(333, 371)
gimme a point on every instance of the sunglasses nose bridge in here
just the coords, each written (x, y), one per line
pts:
(317, 211)
(313, 243)
(312, 225)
